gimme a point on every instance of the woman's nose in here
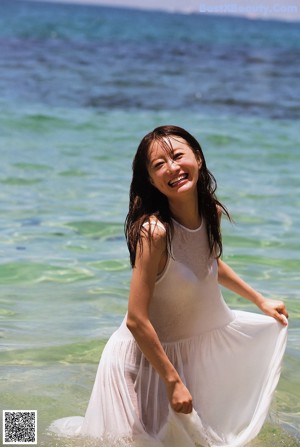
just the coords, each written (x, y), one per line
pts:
(172, 166)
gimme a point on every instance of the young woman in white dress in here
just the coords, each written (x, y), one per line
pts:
(182, 369)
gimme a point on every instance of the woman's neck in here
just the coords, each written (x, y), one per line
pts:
(186, 213)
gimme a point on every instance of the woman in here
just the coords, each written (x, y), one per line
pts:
(183, 369)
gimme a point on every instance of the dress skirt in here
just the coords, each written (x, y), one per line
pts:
(231, 373)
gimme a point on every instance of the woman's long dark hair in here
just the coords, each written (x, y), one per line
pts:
(146, 201)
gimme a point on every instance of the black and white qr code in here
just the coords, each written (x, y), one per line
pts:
(19, 427)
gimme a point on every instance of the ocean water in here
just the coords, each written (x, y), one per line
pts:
(79, 87)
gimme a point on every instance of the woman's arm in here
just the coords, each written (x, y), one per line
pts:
(229, 279)
(141, 290)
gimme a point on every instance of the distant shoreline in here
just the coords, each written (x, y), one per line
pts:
(261, 12)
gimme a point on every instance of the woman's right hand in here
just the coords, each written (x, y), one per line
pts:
(179, 397)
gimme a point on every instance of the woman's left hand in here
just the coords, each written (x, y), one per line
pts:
(275, 309)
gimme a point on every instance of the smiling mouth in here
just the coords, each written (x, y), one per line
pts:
(177, 180)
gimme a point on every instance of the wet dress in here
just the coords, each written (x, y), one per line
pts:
(229, 360)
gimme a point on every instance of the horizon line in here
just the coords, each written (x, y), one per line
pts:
(96, 3)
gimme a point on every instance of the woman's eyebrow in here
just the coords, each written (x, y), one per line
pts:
(178, 149)
(155, 159)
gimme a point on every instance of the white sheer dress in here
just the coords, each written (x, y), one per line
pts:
(229, 360)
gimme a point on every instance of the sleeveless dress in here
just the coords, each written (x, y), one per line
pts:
(229, 360)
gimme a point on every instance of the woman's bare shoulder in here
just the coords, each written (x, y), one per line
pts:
(154, 229)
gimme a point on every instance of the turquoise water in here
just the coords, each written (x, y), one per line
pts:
(66, 146)
(65, 271)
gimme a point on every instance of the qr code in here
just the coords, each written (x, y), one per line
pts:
(19, 426)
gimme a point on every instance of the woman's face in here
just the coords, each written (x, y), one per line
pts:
(173, 172)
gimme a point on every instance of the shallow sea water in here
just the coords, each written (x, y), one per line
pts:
(65, 271)
(70, 124)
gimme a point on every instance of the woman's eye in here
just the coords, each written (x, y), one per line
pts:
(158, 164)
(178, 155)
